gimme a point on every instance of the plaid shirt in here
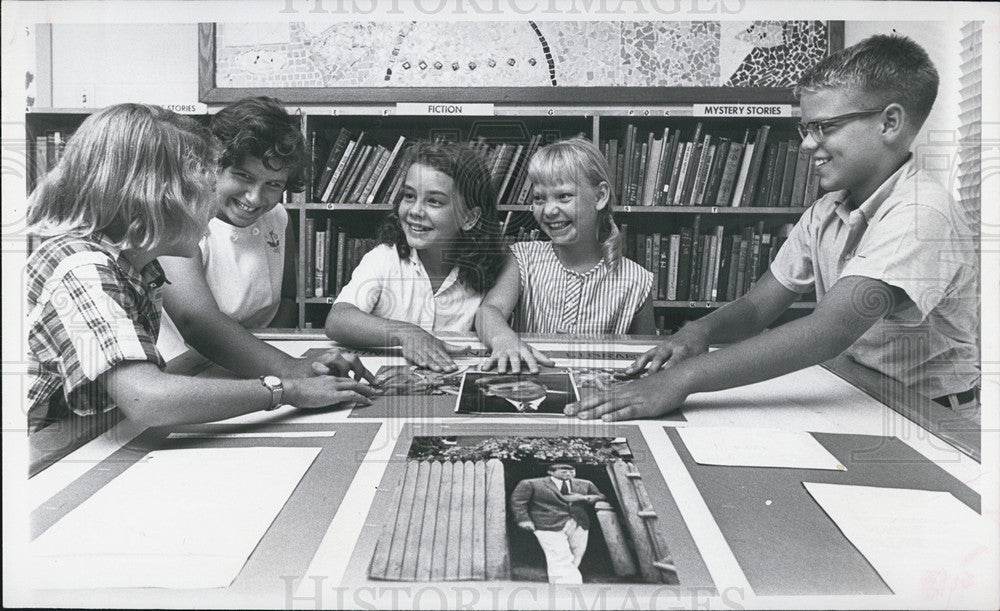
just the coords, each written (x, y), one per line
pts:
(88, 310)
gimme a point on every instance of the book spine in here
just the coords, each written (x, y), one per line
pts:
(338, 173)
(673, 265)
(310, 256)
(719, 157)
(627, 159)
(705, 269)
(378, 169)
(639, 180)
(755, 255)
(370, 163)
(319, 270)
(332, 162)
(729, 174)
(354, 168)
(744, 173)
(777, 175)
(802, 163)
(696, 257)
(684, 264)
(766, 176)
(515, 163)
(788, 179)
(698, 184)
(656, 241)
(672, 159)
(649, 188)
(756, 163)
(660, 179)
(713, 285)
(741, 270)
(678, 193)
(522, 174)
(734, 267)
(341, 263)
(725, 264)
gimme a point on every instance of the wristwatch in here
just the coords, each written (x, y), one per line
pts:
(273, 383)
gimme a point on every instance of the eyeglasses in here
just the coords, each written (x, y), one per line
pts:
(816, 128)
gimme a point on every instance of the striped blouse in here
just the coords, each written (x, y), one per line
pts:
(558, 300)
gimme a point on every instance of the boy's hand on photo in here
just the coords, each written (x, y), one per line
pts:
(424, 350)
(681, 345)
(322, 391)
(335, 362)
(511, 351)
(649, 397)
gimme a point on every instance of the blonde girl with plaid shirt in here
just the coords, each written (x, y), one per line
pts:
(135, 183)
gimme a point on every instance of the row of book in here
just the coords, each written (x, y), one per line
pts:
(712, 266)
(330, 257)
(358, 172)
(709, 170)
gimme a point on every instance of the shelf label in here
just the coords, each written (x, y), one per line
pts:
(442, 108)
(194, 108)
(742, 110)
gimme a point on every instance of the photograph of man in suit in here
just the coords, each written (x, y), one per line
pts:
(555, 509)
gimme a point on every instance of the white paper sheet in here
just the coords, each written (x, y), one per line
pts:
(746, 447)
(177, 519)
(254, 435)
(928, 546)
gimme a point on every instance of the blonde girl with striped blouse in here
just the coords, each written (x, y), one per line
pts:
(578, 282)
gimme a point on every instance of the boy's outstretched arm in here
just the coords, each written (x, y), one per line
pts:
(851, 307)
(493, 330)
(736, 321)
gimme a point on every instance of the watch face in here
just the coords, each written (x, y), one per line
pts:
(272, 381)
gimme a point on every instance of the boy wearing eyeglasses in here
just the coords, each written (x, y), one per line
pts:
(888, 252)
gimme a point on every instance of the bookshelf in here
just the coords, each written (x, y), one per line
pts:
(359, 209)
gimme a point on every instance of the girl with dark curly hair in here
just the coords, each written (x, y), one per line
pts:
(439, 254)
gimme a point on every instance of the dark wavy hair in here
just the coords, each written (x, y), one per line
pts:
(476, 252)
(260, 127)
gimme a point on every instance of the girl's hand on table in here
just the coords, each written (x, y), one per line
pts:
(325, 390)
(339, 363)
(650, 397)
(510, 350)
(424, 350)
(333, 362)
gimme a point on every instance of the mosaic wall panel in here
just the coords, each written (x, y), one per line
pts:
(518, 54)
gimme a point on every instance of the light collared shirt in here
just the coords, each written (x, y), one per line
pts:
(911, 235)
(559, 483)
(398, 289)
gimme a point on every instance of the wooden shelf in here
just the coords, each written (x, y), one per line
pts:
(708, 305)
(729, 210)
(333, 207)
